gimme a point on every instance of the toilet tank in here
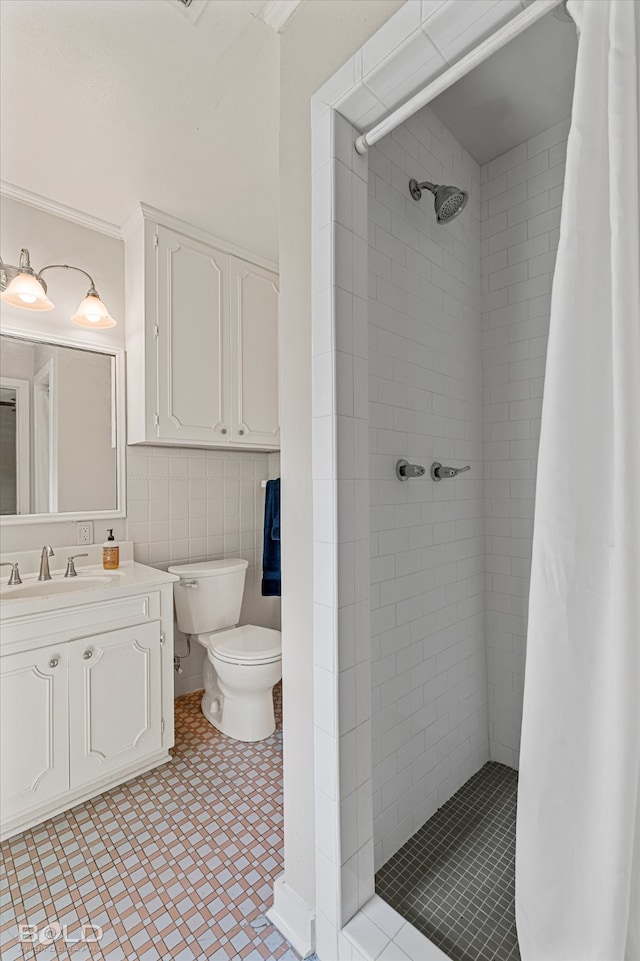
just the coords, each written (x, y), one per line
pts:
(208, 596)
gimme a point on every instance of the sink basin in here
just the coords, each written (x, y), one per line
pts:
(56, 586)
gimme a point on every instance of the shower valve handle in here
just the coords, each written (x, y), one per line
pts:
(438, 471)
(405, 470)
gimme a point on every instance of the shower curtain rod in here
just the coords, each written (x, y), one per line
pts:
(493, 43)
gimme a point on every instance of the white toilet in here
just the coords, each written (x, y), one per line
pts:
(243, 663)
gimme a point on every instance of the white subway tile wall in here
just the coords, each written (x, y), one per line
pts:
(187, 505)
(518, 259)
(429, 672)
(435, 293)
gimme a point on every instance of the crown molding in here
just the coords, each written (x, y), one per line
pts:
(145, 212)
(276, 13)
(59, 210)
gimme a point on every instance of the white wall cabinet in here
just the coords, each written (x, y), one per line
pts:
(87, 705)
(254, 353)
(202, 339)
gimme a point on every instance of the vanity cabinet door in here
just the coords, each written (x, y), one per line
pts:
(115, 698)
(253, 338)
(34, 749)
(192, 340)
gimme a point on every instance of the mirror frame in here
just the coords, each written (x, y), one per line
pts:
(118, 354)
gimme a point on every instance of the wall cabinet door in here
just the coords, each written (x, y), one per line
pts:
(254, 354)
(34, 749)
(192, 336)
(114, 700)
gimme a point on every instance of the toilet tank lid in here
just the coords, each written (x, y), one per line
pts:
(210, 568)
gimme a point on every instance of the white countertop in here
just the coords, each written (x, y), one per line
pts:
(129, 578)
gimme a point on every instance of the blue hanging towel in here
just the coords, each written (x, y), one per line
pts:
(271, 551)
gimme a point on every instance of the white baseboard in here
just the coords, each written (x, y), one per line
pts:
(293, 918)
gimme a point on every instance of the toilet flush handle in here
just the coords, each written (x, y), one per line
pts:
(187, 583)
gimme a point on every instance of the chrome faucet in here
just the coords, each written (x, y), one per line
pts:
(14, 576)
(44, 574)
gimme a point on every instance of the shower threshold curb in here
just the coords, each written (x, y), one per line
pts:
(377, 931)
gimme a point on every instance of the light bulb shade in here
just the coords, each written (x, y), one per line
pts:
(93, 313)
(25, 290)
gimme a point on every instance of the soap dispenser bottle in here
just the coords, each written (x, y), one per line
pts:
(110, 552)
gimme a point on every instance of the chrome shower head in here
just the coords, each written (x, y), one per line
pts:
(449, 201)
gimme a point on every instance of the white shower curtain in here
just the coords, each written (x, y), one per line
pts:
(578, 834)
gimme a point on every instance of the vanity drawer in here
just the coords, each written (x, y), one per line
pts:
(33, 630)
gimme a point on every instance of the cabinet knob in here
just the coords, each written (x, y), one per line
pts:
(53, 662)
(224, 430)
(87, 655)
(241, 432)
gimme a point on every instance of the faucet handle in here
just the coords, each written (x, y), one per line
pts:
(438, 471)
(71, 568)
(405, 470)
(14, 576)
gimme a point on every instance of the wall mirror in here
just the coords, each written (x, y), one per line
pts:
(61, 430)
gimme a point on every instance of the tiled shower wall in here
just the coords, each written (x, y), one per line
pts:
(187, 505)
(521, 193)
(429, 690)
(436, 546)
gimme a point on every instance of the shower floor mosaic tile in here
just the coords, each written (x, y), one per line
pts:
(176, 864)
(454, 880)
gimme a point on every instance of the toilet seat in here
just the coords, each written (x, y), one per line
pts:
(246, 645)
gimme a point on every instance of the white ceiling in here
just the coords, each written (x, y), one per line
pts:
(517, 93)
(106, 103)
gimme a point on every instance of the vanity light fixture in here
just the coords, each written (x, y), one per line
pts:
(22, 287)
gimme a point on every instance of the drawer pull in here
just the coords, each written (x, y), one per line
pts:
(87, 655)
(53, 662)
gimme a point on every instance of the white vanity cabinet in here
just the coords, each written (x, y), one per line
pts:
(34, 729)
(86, 694)
(115, 710)
(202, 339)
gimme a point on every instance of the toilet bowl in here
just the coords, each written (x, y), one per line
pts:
(243, 663)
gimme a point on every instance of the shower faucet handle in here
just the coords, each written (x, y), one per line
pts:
(405, 470)
(438, 471)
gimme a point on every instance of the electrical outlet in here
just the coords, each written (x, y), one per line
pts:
(84, 532)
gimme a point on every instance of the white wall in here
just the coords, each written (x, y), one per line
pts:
(429, 691)
(54, 240)
(522, 193)
(320, 37)
(187, 113)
